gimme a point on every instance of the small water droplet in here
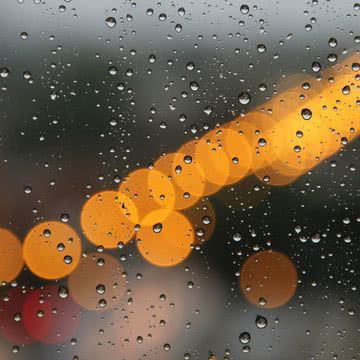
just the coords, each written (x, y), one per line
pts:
(110, 21)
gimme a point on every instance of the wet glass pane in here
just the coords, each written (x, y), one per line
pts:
(179, 179)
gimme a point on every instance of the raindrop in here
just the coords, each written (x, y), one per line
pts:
(261, 48)
(157, 228)
(63, 292)
(244, 98)
(100, 289)
(67, 259)
(47, 233)
(332, 42)
(306, 114)
(244, 9)
(110, 21)
(194, 86)
(181, 11)
(346, 90)
(65, 217)
(4, 72)
(244, 337)
(262, 142)
(316, 67)
(261, 322)
(236, 237)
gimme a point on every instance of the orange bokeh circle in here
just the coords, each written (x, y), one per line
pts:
(168, 238)
(104, 220)
(11, 257)
(52, 250)
(199, 184)
(268, 275)
(212, 158)
(149, 190)
(98, 282)
(239, 153)
(186, 183)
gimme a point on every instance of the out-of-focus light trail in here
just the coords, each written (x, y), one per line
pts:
(163, 205)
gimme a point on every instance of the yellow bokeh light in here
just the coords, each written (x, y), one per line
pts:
(52, 250)
(11, 259)
(149, 190)
(167, 238)
(105, 219)
(185, 182)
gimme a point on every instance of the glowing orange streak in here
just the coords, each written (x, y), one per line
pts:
(304, 128)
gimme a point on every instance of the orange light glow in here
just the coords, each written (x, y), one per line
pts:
(212, 158)
(149, 190)
(198, 182)
(166, 239)
(104, 220)
(11, 259)
(268, 279)
(52, 250)
(186, 185)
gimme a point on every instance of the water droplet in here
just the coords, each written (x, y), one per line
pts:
(244, 9)
(181, 11)
(244, 337)
(206, 220)
(112, 70)
(261, 322)
(4, 72)
(261, 48)
(110, 21)
(67, 259)
(262, 142)
(316, 67)
(64, 217)
(244, 98)
(102, 303)
(346, 90)
(194, 86)
(47, 233)
(100, 289)
(236, 237)
(190, 66)
(139, 339)
(157, 228)
(306, 114)
(332, 42)
(63, 292)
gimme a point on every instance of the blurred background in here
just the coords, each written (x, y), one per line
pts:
(92, 90)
